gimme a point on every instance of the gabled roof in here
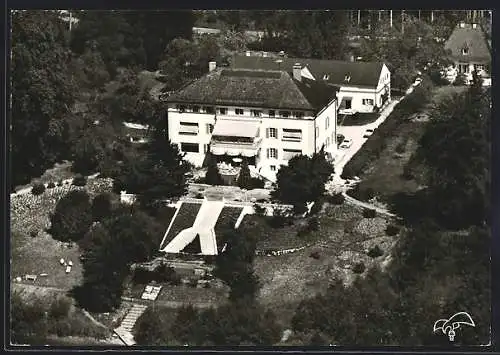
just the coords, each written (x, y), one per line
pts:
(251, 88)
(473, 39)
(363, 74)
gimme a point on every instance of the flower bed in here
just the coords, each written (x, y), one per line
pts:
(185, 218)
(371, 226)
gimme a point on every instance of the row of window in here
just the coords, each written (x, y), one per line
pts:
(465, 68)
(238, 111)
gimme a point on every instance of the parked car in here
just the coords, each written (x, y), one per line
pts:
(368, 133)
(346, 144)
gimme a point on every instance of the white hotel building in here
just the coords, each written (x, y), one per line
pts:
(264, 115)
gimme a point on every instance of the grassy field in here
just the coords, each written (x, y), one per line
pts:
(343, 240)
(41, 254)
(385, 175)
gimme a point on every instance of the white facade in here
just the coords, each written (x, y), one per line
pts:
(365, 99)
(277, 138)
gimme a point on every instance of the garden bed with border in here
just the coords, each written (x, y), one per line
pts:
(184, 219)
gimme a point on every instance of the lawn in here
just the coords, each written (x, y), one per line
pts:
(184, 219)
(344, 238)
(359, 119)
(41, 254)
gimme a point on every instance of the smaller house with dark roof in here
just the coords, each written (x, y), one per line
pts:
(264, 116)
(361, 86)
(469, 51)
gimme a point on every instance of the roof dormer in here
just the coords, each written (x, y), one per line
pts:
(347, 77)
(465, 49)
(326, 77)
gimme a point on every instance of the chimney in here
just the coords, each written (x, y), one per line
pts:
(282, 53)
(474, 25)
(247, 53)
(264, 54)
(297, 68)
(351, 58)
(462, 24)
(212, 66)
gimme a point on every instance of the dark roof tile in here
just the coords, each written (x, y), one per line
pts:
(273, 89)
(364, 74)
(473, 39)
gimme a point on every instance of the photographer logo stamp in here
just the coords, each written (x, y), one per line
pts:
(449, 326)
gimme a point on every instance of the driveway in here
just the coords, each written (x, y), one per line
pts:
(355, 134)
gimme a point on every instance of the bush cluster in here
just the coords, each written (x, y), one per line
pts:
(392, 230)
(162, 274)
(359, 268)
(38, 189)
(79, 180)
(375, 252)
(369, 213)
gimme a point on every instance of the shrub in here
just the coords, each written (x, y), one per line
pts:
(407, 173)
(79, 180)
(101, 207)
(369, 213)
(460, 80)
(315, 255)
(38, 189)
(313, 224)
(193, 282)
(199, 195)
(59, 182)
(359, 268)
(392, 230)
(259, 210)
(34, 233)
(336, 199)
(401, 148)
(72, 217)
(375, 252)
(277, 221)
(51, 185)
(257, 183)
(142, 276)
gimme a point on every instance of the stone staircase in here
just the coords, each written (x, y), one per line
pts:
(124, 331)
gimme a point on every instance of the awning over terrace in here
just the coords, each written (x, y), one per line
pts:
(236, 128)
(235, 137)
